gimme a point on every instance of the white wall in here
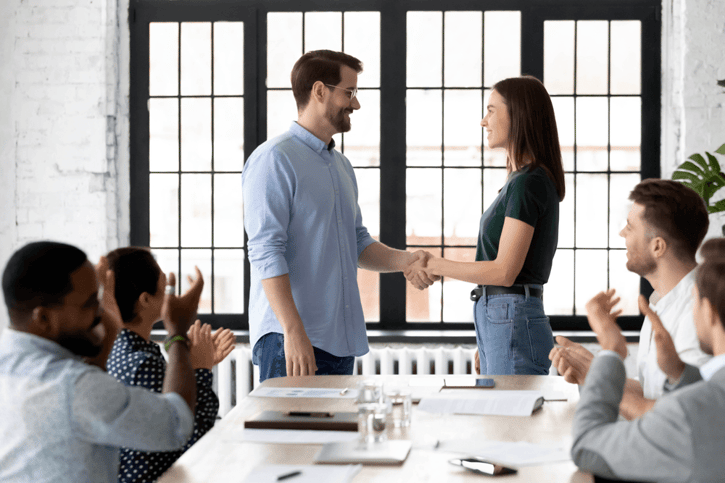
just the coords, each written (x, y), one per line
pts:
(64, 87)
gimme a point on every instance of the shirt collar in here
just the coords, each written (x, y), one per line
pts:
(310, 139)
(708, 369)
(136, 342)
(24, 341)
(681, 291)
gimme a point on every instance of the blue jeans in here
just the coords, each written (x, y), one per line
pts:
(268, 354)
(513, 335)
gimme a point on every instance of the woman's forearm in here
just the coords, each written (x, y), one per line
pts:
(480, 273)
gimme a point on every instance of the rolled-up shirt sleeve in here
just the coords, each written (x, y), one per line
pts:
(104, 411)
(268, 187)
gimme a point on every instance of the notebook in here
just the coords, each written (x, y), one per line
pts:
(303, 420)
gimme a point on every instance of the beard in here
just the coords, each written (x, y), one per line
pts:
(642, 266)
(79, 343)
(337, 118)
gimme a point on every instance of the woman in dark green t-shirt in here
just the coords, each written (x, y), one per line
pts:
(518, 234)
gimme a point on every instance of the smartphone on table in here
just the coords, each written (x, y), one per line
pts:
(479, 465)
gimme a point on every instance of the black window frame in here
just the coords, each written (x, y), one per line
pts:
(393, 116)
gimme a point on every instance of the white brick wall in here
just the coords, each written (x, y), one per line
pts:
(64, 87)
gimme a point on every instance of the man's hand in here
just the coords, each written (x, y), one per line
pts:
(571, 360)
(178, 313)
(416, 273)
(110, 313)
(201, 346)
(299, 354)
(477, 363)
(223, 344)
(603, 321)
(667, 357)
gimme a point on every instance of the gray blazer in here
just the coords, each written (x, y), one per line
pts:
(682, 439)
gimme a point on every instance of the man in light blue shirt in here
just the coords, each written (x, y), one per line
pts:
(64, 420)
(306, 234)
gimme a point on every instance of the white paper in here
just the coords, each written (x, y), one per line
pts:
(289, 436)
(309, 473)
(493, 403)
(507, 453)
(303, 392)
(555, 396)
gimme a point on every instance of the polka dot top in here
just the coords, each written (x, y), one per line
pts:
(136, 362)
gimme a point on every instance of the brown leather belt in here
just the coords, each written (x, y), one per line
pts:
(477, 292)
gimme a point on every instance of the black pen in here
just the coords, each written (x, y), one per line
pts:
(310, 414)
(288, 475)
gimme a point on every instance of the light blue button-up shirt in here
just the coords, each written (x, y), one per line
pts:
(302, 218)
(63, 420)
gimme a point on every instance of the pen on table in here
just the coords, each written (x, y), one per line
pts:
(288, 475)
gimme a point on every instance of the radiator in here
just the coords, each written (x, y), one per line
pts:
(236, 376)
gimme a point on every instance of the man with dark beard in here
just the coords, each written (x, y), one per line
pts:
(664, 229)
(65, 420)
(306, 235)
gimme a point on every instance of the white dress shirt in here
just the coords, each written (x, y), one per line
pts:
(675, 311)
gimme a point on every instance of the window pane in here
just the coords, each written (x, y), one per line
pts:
(163, 58)
(625, 133)
(281, 112)
(362, 142)
(163, 135)
(457, 305)
(462, 206)
(592, 52)
(493, 181)
(591, 276)
(228, 211)
(284, 46)
(462, 128)
(591, 210)
(168, 261)
(620, 187)
(566, 214)
(229, 281)
(559, 291)
(425, 49)
(423, 206)
(564, 112)
(463, 34)
(625, 282)
(195, 210)
(423, 129)
(164, 210)
(196, 134)
(195, 58)
(559, 56)
(626, 57)
(362, 40)
(323, 30)
(228, 58)
(228, 134)
(501, 59)
(368, 183)
(591, 133)
(424, 305)
(201, 259)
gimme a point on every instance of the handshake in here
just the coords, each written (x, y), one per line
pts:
(419, 271)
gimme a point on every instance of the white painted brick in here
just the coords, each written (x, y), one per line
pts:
(30, 231)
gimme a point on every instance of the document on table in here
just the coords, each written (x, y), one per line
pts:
(304, 392)
(289, 436)
(508, 453)
(307, 473)
(483, 402)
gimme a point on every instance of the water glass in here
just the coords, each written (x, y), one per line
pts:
(372, 422)
(401, 405)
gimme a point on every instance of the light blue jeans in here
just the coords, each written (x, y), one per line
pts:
(513, 335)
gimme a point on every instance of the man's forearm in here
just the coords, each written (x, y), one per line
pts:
(279, 294)
(378, 257)
(180, 376)
(634, 404)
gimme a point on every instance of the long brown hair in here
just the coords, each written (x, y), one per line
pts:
(533, 136)
(711, 275)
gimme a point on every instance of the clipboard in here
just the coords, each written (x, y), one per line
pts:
(325, 421)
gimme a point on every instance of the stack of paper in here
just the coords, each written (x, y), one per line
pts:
(484, 402)
(307, 473)
(507, 453)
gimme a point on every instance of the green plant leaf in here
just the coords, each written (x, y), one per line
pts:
(721, 149)
(702, 176)
(716, 207)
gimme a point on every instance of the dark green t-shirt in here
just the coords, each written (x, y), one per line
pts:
(530, 197)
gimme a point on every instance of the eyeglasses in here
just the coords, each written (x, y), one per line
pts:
(352, 92)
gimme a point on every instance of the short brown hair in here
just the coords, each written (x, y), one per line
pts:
(711, 275)
(135, 271)
(319, 65)
(532, 132)
(677, 212)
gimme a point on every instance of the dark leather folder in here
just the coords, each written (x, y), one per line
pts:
(303, 420)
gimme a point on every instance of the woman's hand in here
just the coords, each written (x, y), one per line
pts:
(418, 273)
(201, 346)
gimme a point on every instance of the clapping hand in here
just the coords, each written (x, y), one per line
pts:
(201, 346)
(603, 321)
(178, 313)
(223, 344)
(571, 360)
(667, 357)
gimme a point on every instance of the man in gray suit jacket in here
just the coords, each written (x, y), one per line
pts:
(683, 436)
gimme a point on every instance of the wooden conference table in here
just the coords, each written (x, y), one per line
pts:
(218, 458)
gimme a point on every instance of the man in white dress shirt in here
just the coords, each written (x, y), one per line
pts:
(665, 227)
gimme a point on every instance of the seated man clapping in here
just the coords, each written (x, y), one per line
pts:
(682, 436)
(137, 361)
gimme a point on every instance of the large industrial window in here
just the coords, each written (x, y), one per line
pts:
(210, 82)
